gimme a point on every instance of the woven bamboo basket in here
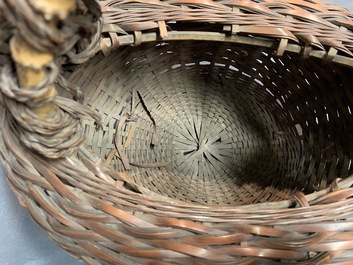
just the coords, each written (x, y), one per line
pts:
(181, 132)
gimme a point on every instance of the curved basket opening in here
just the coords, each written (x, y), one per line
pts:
(219, 123)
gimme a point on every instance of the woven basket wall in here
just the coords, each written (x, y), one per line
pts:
(183, 132)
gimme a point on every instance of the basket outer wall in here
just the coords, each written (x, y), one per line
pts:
(42, 250)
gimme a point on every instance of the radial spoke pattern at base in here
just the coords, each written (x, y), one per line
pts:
(211, 124)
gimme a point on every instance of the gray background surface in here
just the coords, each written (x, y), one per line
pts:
(23, 241)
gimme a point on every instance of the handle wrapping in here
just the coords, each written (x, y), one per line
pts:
(47, 34)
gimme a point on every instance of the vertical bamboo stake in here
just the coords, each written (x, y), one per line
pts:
(30, 62)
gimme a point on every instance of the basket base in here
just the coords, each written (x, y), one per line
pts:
(203, 122)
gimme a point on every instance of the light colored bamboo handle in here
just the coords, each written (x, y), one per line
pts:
(30, 62)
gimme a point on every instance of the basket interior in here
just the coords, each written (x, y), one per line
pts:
(219, 123)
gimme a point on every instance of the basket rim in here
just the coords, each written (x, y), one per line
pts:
(316, 29)
(277, 46)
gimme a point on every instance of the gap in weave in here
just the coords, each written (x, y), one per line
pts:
(237, 125)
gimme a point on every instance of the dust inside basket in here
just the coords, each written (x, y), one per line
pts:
(219, 123)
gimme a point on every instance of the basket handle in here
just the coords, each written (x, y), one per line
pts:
(48, 32)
